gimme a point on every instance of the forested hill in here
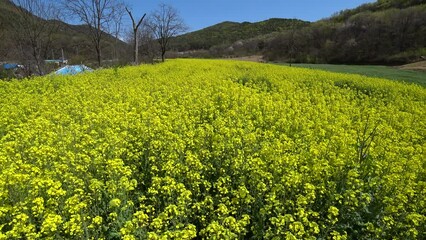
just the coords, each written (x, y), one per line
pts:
(229, 32)
(384, 32)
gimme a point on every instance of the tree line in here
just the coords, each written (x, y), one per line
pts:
(38, 28)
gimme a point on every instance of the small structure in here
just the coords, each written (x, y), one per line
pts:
(57, 62)
(73, 69)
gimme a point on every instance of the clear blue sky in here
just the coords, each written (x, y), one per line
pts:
(199, 14)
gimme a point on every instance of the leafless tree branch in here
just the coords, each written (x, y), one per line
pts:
(97, 15)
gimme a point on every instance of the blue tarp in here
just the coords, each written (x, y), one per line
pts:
(8, 66)
(73, 69)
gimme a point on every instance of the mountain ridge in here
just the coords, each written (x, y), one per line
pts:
(227, 32)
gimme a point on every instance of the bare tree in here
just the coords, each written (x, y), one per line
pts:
(135, 35)
(166, 23)
(34, 27)
(96, 14)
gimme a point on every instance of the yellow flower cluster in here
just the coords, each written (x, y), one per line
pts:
(214, 150)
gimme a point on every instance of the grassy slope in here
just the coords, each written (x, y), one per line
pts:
(373, 71)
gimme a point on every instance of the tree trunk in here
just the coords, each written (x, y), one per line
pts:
(163, 53)
(135, 36)
(37, 61)
(98, 53)
(136, 57)
(99, 60)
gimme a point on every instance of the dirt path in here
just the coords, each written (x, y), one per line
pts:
(418, 66)
(254, 58)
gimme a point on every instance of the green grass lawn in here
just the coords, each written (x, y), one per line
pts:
(372, 71)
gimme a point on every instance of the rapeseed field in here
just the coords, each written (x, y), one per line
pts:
(212, 149)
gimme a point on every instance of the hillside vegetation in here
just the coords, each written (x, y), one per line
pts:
(377, 6)
(389, 32)
(212, 149)
(384, 32)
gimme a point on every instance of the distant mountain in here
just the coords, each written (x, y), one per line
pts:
(226, 33)
(72, 39)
